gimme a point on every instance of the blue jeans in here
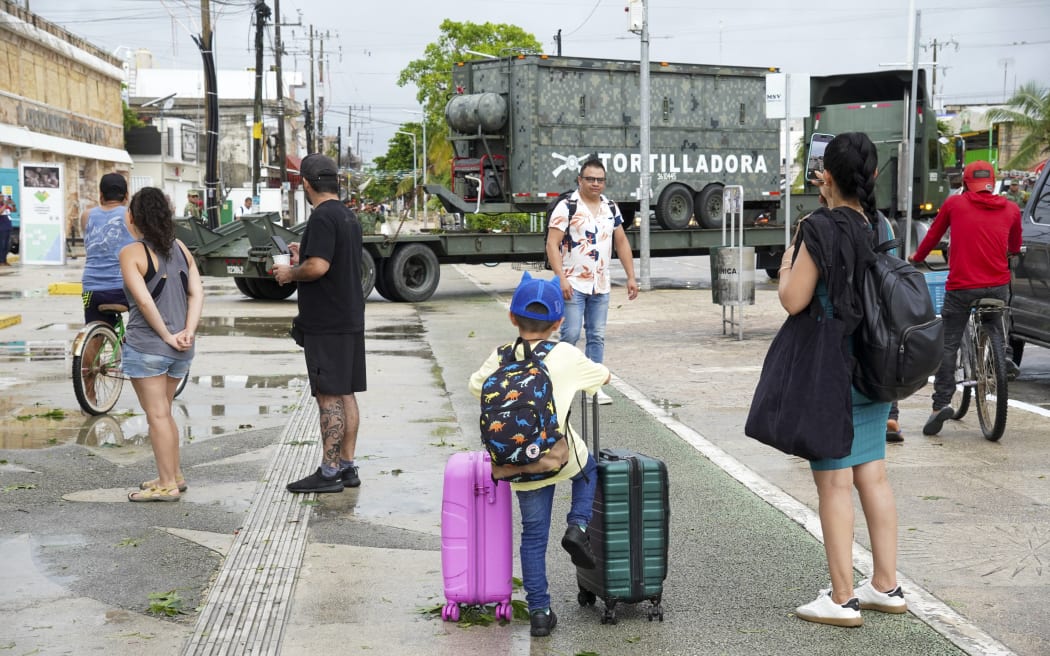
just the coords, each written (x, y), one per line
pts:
(590, 311)
(535, 506)
(955, 313)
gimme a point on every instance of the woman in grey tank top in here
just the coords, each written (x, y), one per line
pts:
(165, 298)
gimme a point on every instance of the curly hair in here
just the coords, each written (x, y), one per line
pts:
(852, 160)
(152, 215)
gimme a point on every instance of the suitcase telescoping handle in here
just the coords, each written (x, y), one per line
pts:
(594, 419)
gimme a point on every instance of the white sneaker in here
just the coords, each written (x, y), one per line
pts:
(825, 611)
(603, 398)
(884, 602)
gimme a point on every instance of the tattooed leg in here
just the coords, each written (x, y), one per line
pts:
(333, 426)
(353, 420)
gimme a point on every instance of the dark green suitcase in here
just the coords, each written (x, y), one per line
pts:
(629, 531)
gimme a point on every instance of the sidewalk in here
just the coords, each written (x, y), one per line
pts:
(357, 571)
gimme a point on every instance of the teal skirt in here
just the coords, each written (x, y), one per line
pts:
(869, 435)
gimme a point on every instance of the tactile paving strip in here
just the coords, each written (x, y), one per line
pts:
(247, 607)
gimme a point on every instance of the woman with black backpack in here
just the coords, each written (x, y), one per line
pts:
(822, 269)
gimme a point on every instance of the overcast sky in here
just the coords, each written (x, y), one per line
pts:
(987, 46)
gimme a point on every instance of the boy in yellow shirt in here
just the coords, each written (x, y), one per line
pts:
(537, 310)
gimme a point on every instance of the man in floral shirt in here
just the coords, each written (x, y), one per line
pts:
(579, 248)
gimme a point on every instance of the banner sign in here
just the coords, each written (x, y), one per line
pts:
(43, 229)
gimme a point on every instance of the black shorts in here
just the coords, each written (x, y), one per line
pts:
(335, 363)
(93, 299)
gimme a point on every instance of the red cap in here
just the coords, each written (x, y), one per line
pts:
(979, 176)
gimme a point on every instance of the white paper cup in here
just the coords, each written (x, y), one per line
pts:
(282, 258)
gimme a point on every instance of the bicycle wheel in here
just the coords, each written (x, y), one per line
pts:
(991, 379)
(97, 378)
(182, 384)
(962, 373)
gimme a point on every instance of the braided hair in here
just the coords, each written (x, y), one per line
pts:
(852, 160)
(153, 217)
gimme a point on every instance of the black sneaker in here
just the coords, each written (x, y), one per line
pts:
(349, 476)
(317, 483)
(543, 622)
(1012, 370)
(578, 544)
(937, 419)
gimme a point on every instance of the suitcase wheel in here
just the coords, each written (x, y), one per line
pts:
(656, 611)
(450, 613)
(585, 598)
(609, 616)
(504, 611)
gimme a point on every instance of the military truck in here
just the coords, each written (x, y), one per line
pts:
(521, 126)
(877, 103)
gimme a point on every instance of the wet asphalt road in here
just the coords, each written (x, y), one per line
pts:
(973, 514)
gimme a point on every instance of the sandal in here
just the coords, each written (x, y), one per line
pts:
(155, 494)
(180, 482)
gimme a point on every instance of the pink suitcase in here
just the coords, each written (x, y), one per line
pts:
(476, 540)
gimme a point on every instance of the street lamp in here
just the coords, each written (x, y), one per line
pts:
(415, 178)
(423, 120)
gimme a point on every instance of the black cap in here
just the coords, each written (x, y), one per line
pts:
(317, 166)
(113, 183)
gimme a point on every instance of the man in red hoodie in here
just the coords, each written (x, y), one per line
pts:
(986, 230)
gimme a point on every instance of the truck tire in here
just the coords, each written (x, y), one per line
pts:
(368, 272)
(709, 206)
(268, 289)
(412, 273)
(674, 209)
(242, 286)
(382, 286)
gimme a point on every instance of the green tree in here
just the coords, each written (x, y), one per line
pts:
(392, 173)
(1029, 111)
(432, 75)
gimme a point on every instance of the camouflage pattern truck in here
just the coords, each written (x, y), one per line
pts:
(520, 127)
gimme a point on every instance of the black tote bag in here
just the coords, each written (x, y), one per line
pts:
(802, 404)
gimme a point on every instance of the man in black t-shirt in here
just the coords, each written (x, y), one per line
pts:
(326, 265)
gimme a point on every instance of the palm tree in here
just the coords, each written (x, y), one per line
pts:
(1029, 111)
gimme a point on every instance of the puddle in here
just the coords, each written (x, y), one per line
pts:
(244, 327)
(23, 293)
(33, 351)
(665, 404)
(248, 382)
(400, 331)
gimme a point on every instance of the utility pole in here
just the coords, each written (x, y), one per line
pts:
(262, 12)
(933, 45)
(320, 100)
(557, 40)
(282, 150)
(308, 117)
(313, 102)
(211, 116)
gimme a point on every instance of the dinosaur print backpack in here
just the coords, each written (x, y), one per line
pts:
(519, 425)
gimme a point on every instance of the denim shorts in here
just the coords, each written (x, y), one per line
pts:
(147, 365)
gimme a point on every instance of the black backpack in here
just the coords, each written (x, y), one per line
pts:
(567, 197)
(899, 341)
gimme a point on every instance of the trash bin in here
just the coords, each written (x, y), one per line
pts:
(731, 282)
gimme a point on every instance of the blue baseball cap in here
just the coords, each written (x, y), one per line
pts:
(535, 290)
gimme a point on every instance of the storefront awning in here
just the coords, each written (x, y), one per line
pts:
(11, 135)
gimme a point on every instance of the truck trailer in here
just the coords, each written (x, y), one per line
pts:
(521, 126)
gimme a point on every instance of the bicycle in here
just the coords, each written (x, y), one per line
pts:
(97, 375)
(981, 367)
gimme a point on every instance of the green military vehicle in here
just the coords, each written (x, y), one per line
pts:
(877, 104)
(521, 126)
(520, 129)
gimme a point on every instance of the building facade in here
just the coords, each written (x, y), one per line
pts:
(60, 113)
